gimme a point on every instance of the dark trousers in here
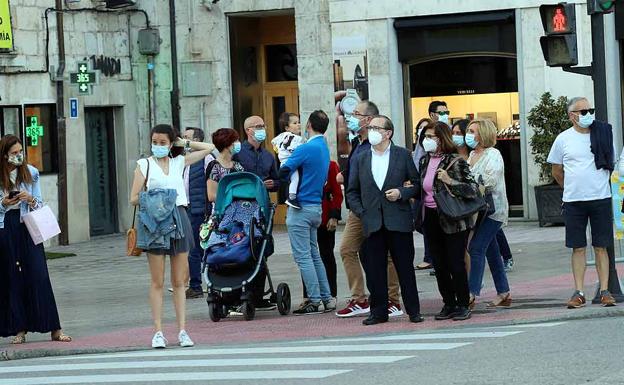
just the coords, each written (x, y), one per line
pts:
(503, 245)
(326, 244)
(375, 263)
(448, 261)
(195, 254)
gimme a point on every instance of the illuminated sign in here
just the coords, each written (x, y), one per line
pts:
(33, 131)
(83, 78)
(6, 33)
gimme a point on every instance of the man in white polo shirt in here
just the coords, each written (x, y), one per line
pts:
(586, 193)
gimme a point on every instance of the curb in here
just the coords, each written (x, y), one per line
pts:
(11, 355)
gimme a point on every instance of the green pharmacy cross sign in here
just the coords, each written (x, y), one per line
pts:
(83, 78)
(34, 131)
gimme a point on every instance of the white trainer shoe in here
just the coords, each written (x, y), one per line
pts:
(185, 340)
(159, 341)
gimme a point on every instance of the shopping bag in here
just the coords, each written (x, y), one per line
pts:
(41, 224)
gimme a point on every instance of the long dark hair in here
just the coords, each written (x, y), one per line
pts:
(420, 138)
(23, 174)
(443, 133)
(173, 135)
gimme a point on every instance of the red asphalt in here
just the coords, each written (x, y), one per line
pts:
(536, 300)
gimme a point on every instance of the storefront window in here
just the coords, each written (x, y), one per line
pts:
(40, 137)
(10, 120)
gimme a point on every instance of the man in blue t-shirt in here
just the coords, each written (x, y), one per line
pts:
(312, 161)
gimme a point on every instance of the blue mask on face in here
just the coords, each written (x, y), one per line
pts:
(260, 135)
(160, 151)
(353, 123)
(586, 120)
(458, 140)
(236, 149)
(471, 141)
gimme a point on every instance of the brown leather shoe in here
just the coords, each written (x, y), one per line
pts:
(577, 300)
(192, 293)
(606, 299)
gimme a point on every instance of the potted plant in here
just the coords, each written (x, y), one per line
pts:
(548, 118)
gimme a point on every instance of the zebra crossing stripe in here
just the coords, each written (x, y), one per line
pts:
(531, 326)
(175, 377)
(276, 350)
(420, 337)
(204, 363)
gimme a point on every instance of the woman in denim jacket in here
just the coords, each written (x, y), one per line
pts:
(165, 170)
(26, 299)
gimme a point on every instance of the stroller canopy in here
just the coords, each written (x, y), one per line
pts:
(241, 185)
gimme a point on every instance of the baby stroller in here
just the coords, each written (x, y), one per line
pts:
(238, 244)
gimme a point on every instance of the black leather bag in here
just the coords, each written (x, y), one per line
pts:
(455, 207)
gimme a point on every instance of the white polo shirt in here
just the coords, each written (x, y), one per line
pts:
(582, 181)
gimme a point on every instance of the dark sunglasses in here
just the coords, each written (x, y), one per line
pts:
(584, 112)
(443, 112)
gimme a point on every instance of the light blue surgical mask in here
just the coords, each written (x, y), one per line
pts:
(471, 141)
(444, 119)
(459, 140)
(160, 151)
(352, 136)
(353, 123)
(236, 149)
(260, 135)
(586, 120)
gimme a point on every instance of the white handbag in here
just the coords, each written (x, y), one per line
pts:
(41, 224)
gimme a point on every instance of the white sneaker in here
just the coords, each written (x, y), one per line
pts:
(185, 340)
(159, 341)
(329, 305)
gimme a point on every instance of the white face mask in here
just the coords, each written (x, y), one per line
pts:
(430, 145)
(375, 137)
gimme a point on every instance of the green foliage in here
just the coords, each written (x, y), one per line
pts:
(548, 118)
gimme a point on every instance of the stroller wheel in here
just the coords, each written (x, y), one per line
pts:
(249, 311)
(214, 311)
(283, 298)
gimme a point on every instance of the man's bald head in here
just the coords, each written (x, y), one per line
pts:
(253, 121)
(252, 124)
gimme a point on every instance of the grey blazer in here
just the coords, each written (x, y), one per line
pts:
(369, 203)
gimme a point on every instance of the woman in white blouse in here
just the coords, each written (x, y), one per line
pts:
(487, 166)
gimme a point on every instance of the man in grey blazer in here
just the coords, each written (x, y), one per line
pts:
(377, 196)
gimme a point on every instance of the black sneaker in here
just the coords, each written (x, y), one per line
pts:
(265, 305)
(447, 312)
(194, 293)
(416, 318)
(309, 308)
(294, 203)
(462, 313)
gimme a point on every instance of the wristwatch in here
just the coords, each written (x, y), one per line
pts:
(349, 102)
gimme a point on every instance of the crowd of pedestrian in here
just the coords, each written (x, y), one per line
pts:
(389, 192)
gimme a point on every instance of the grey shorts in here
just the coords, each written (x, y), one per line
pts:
(183, 245)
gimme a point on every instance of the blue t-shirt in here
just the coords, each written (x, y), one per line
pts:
(311, 159)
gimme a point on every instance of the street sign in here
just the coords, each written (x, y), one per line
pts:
(33, 131)
(83, 78)
(73, 108)
(559, 45)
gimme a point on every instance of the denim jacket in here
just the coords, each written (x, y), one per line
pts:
(33, 189)
(158, 215)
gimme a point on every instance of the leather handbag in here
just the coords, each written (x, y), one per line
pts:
(131, 235)
(486, 192)
(455, 207)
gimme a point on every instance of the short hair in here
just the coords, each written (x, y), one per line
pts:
(370, 108)
(433, 106)
(387, 125)
(444, 135)
(319, 121)
(572, 102)
(284, 120)
(224, 137)
(487, 131)
(462, 124)
(198, 133)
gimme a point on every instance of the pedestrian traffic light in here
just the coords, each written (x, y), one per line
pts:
(600, 6)
(559, 45)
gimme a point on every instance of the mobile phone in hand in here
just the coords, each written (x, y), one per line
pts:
(13, 194)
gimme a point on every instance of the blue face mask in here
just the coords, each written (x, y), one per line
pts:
(586, 120)
(444, 119)
(236, 149)
(160, 151)
(470, 141)
(352, 136)
(458, 140)
(260, 135)
(353, 123)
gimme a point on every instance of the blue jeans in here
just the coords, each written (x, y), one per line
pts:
(196, 254)
(482, 245)
(302, 225)
(503, 245)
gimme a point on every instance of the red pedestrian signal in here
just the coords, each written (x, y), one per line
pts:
(559, 44)
(559, 21)
(558, 18)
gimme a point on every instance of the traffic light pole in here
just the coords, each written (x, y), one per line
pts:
(599, 76)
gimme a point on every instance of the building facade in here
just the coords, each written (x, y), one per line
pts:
(236, 58)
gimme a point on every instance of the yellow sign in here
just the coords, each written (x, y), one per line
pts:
(6, 34)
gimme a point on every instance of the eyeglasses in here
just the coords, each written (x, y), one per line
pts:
(258, 127)
(443, 112)
(584, 112)
(376, 128)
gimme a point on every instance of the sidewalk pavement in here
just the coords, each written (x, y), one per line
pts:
(102, 296)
